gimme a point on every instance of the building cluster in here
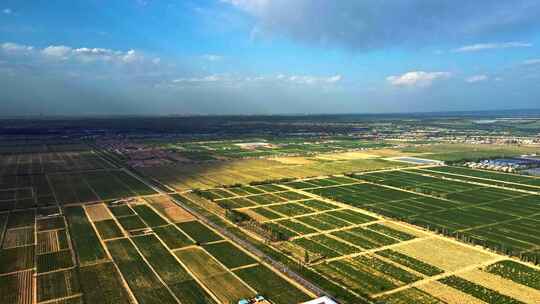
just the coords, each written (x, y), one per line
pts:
(506, 165)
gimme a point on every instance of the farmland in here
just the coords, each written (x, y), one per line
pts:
(345, 228)
(233, 218)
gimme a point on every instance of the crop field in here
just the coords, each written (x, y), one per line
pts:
(334, 228)
(90, 186)
(25, 177)
(224, 284)
(215, 174)
(271, 285)
(229, 255)
(93, 253)
(359, 231)
(501, 218)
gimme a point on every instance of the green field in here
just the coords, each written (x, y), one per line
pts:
(108, 229)
(199, 232)
(85, 241)
(144, 284)
(101, 284)
(229, 255)
(219, 280)
(269, 284)
(184, 287)
(173, 237)
(478, 291)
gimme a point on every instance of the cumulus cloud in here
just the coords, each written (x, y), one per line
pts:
(417, 78)
(476, 78)
(364, 25)
(57, 51)
(84, 54)
(490, 46)
(14, 47)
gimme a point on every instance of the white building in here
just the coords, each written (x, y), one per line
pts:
(321, 300)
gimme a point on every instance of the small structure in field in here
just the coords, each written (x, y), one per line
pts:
(254, 145)
(321, 300)
(256, 300)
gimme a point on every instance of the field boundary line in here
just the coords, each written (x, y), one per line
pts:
(56, 270)
(56, 300)
(244, 267)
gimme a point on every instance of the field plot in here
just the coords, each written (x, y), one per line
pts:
(51, 241)
(199, 232)
(499, 218)
(17, 258)
(149, 216)
(229, 255)
(367, 275)
(145, 285)
(97, 212)
(51, 223)
(219, 280)
(181, 283)
(450, 256)
(413, 295)
(17, 288)
(516, 272)
(85, 241)
(50, 162)
(203, 176)
(19, 237)
(490, 176)
(54, 260)
(166, 207)
(516, 291)
(58, 285)
(173, 237)
(81, 187)
(478, 291)
(271, 285)
(108, 229)
(101, 283)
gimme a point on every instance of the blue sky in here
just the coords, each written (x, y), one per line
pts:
(267, 56)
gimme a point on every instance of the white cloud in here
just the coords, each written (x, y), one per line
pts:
(531, 61)
(156, 60)
(236, 81)
(210, 78)
(85, 54)
(130, 56)
(417, 78)
(311, 80)
(212, 57)
(14, 47)
(490, 46)
(7, 11)
(57, 51)
(476, 78)
(367, 25)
